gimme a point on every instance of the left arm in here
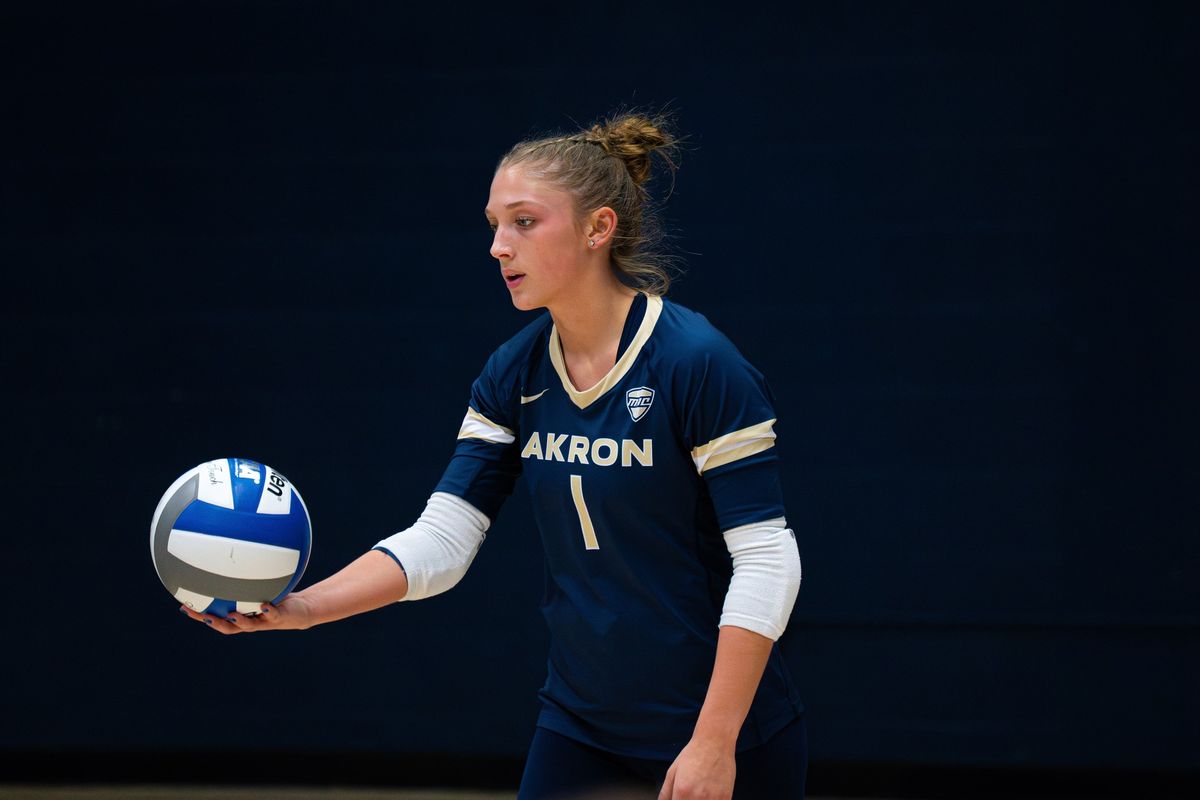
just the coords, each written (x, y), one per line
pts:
(766, 580)
(706, 767)
(729, 424)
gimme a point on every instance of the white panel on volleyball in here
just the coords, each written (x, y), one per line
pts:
(233, 558)
(216, 485)
(194, 601)
(276, 495)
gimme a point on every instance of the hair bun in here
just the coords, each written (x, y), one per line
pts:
(633, 137)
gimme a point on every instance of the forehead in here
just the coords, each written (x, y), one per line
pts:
(514, 183)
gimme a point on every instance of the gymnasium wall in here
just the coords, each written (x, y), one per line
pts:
(954, 238)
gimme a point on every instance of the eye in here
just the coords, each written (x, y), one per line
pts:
(523, 222)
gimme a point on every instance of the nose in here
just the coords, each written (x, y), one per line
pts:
(500, 247)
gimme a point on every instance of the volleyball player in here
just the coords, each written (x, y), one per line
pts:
(647, 442)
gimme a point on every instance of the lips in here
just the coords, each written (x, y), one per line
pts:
(513, 277)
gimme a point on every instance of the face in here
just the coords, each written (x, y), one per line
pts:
(536, 236)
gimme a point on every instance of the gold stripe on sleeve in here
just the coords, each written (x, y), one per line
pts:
(729, 456)
(733, 446)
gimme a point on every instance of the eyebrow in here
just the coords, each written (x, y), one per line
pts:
(516, 203)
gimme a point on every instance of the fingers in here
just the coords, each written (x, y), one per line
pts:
(668, 785)
(235, 622)
(192, 614)
(216, 623)
(268, 617)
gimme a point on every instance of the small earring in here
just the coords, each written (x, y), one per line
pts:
(591, 243)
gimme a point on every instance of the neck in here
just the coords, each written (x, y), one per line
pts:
(590, 329)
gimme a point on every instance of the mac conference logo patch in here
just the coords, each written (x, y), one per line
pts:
(638, 401)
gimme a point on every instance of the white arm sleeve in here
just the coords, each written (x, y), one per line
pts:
(436, 551)
(766, 577)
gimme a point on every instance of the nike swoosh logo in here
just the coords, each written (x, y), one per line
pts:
(525, 399)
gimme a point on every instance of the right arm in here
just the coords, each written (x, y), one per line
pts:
(426, 559)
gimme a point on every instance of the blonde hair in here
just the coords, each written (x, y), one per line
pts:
(609, 164)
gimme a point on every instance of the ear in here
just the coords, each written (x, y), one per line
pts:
(602, 224)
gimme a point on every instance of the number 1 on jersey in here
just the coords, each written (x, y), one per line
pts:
(585, 519)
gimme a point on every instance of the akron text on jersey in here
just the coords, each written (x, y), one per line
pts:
(580, 449)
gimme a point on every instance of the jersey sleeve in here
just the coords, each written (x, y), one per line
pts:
(486, 461)
(729, 425)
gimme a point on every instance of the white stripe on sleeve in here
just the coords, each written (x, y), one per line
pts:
(477, 426)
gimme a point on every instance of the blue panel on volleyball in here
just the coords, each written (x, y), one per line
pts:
(221, 608)
(289, 530)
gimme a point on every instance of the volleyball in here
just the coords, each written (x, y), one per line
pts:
(230, 535)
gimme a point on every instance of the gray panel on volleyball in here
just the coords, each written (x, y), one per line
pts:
(175, 573)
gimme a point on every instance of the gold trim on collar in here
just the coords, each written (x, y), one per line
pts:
(654, 305)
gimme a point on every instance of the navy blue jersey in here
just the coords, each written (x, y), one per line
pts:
(632, 483)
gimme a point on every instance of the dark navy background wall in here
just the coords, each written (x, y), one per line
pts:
(955, 239)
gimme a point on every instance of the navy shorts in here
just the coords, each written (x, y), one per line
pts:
(560, 768)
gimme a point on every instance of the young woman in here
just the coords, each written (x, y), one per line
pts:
(647, 443)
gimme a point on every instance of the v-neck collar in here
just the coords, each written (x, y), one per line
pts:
(653, 308)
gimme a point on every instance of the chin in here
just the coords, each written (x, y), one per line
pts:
(525, 303)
